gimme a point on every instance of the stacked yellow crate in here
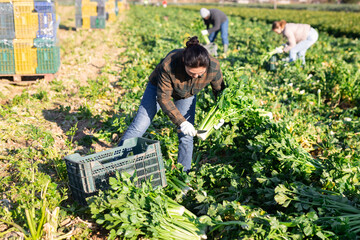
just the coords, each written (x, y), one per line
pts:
(88, 9)
(120, 7)
(26, 26)
(110, 9)
(25, 55)
(25, 19)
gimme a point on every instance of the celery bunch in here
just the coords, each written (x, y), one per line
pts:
(232, 104)
(333, 209)
(267, 55)
(130, 212)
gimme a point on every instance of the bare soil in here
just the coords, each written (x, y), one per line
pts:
(84, 53)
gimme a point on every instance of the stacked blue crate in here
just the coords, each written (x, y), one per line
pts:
(78, 14)
(47, 20)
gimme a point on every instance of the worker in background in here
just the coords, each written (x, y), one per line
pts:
(300, 38)
(219, 22)
(173, 86)
(164, 3)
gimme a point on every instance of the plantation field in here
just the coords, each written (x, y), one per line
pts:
(336, 23)
(312, 7)
(293, 176)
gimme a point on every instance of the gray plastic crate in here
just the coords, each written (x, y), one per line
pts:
(89, 174)
(101, 10)
(211, 48)
(7, 29)
(116, 7)
(78, 21)
(78, 5)
(97, 22)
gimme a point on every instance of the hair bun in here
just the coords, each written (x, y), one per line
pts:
(192, 41)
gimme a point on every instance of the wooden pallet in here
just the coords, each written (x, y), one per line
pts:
(23, 79)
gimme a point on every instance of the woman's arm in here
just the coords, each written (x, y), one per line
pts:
(291, 41)
(164, 97)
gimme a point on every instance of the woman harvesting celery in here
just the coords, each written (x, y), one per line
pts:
(173, 86)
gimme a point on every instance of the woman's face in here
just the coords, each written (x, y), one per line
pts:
(195, 72)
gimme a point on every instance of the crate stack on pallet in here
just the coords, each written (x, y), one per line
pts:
(90, 14)
(95, 13)
(28, 42)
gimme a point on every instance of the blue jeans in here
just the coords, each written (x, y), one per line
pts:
(300, 49)
(147, 111)
(224, 33)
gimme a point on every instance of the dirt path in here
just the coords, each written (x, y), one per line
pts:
(38, 116)
(84, 53)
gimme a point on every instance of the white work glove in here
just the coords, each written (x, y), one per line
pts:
(188, 129)
(204, 32)
(279, 49)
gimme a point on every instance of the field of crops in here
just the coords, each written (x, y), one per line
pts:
(312, 7)
(293, 176)
(335, 23)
